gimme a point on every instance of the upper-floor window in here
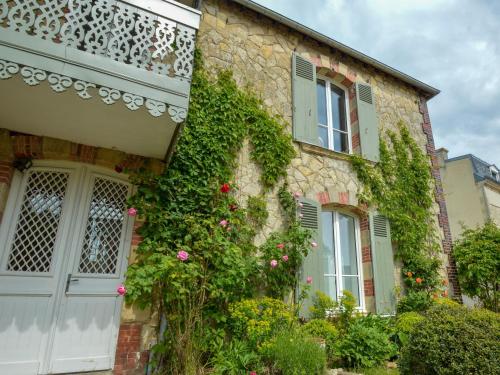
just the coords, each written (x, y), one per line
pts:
(494, 173)
(333, 126)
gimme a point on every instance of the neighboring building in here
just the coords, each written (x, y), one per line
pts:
(90, 87)
(471, 188)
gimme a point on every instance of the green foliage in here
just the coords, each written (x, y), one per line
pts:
(257, 211)
(400, 187)
(257, 320)
(186, 210)
(414, 300)
(367, 342)
(290, 353)
(322, 306)
(319, 328)
(453, 340)
(288, 249)
(405, 324)
(235, 358)
(477, 255)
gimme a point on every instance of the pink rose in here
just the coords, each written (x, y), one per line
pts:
(273, 263)
(314, 244)
(182, 256)
(223, 223)
(285, 258)
(132, 211)
(309, 280)
(280, 245)
(121, 290)
(296, 194)
(253, 373)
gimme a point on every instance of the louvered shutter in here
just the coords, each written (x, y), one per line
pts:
(312, 266)
(383, 264)
(305, 112)
(368, 123)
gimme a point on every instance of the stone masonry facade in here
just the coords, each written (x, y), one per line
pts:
(258, 50)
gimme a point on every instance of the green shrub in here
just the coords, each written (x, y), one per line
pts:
(322, 305)
(405, 324)
(257, 320)
(414, 301)
(290, 353)
(453, 340)
(325, 330)
(234, 359)
(366, 343)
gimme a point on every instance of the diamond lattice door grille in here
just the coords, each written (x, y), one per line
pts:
(104, 227)
(38, 222)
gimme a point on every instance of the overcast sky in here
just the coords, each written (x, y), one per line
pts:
(453, 45)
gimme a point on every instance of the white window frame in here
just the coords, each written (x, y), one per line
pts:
(328, 85)
(337, 254)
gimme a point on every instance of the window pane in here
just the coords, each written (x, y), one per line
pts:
(349, 259)
(340, 142)
(321, 98)
(352, 285)
(323, 136)
(338, 108)
(331, 287)
(328, 243)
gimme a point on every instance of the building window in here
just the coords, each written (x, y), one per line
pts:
(494, 173)
(333, 126)
(341, 255)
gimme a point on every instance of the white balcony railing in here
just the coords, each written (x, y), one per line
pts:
(138, 51)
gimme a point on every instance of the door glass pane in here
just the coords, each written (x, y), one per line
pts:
(104, 227)
(38, 222)
(340, 142)
(328, 243)
(323, 136)
(351, 283)
(321, 99)
(349, 259)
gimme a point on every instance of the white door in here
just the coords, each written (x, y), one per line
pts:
(62, 255)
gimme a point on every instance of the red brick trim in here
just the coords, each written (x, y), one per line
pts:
(366, 254)
(27, 146)
(439, 197)
(6, 172)
(369, 288)
(129, 358)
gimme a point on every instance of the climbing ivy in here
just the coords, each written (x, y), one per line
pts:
(400, 186)
(198, 253)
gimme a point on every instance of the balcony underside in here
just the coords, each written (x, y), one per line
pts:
(40, 110)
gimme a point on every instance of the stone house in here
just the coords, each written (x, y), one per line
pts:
(65, 237)
(471, 189)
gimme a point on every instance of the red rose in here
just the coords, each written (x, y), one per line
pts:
(225, 188)
(419, 280)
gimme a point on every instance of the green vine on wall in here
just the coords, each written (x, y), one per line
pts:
(198, 253)
(400, 186)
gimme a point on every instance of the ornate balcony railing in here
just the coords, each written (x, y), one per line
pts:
(137, 51)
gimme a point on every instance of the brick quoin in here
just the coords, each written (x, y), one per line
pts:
(369, 289)
(438, 194)
(129, 360)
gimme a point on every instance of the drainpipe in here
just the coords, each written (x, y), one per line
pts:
(163, 328)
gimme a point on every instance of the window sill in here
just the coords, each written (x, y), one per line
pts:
(318, 150)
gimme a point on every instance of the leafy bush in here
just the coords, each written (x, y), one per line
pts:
(325, 330)
(322, 306)
(290, 353)
(405, 324)
(257, 320)
(234, 359)
(414, 301)
(453, 340)
(478, 264)
(367, 342)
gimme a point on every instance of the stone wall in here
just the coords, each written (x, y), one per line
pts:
(258, 50)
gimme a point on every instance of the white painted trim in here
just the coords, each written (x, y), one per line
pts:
(328, 84)
(172, 10)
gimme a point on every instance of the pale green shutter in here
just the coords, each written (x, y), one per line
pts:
(383, 264)
(305, 112)
(312, 266)
(368, 123)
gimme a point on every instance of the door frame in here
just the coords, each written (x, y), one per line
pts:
(77, 209)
